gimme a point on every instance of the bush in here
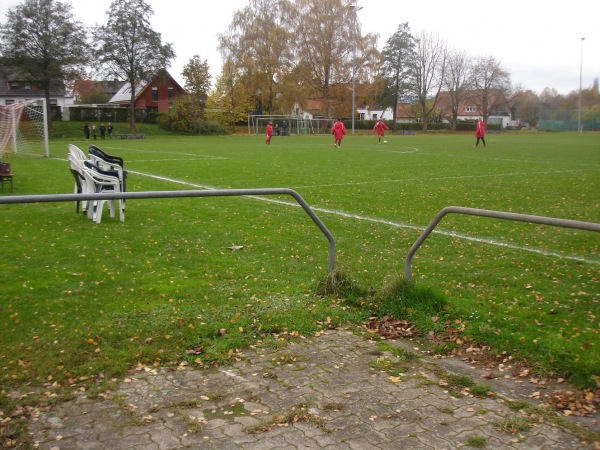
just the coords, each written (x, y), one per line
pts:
(195, 126)
(210, 127)
(186, 116)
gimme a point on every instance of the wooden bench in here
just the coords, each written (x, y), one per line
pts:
(6, 175)
(130, 136)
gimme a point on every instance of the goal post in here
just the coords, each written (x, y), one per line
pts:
(295, 125)
(24, 129)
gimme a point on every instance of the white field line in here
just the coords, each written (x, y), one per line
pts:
(462, 177)
(390, 223)
(391, 150)
(543, 162)
(159, 152)
(191, 158)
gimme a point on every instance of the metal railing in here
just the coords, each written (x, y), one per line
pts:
(589, 226)
(179, 194)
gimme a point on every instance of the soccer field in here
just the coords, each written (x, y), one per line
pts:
(516, 286)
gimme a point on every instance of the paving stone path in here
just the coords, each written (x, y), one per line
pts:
(335, 391)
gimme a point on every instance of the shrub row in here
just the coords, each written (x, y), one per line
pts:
(109, 114)
(418, 126)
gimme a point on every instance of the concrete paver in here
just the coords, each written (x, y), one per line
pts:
(321, 392)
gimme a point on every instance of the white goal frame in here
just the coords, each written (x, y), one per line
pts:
(24, 129)
(296, 125)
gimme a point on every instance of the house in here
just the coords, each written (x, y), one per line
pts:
(155, 95)
(469, 109)
(15, 88)
(99, 91)
(311, 109)
(366, 112)
(405, 113)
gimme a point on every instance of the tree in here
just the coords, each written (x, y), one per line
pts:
(398, 58)
(184, 115)
(458, 81)
(259, 45)
(90, 92)
(548, 95)
(528, 108)
(329, 45)
(128, 48)
(491, 84)
(230, 102)
(197, 79)
(44, 42)
(429, 71)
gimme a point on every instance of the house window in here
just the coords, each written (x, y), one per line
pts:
(471, 109)
(9, 102)
(361, 116)
(374, 116)
(154, 94)
(14, 85)
(54, 101)
(27, 86)
(170, 93)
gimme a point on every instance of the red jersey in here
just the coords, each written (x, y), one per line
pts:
(480, 129)
(338, 130)
(380, 127)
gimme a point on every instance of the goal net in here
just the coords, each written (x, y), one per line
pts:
(24, 129)
(288, 125)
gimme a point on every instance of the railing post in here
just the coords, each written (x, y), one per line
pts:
(589, 226)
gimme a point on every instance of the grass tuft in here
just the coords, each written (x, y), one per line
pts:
(338, 284)
(402, 299)
(476, 441)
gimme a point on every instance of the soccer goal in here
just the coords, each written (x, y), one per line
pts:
(293, 125)
(24, 129)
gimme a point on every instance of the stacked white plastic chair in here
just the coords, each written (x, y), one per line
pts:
(103, 183)
(76, 158)
(104, 161)
(93, 179)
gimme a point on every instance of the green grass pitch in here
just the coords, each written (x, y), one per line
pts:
(80, 298)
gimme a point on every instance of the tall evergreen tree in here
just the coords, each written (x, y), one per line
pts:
(398, 58)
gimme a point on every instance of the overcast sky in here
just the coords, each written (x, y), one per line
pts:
(537, 41)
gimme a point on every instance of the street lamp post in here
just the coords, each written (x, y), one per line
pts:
(354, 8)
(580, 76)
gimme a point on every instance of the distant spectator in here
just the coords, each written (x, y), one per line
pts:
(86, 131)
(94, 131)
(284, 128)
(110, 131)
(102, 131)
